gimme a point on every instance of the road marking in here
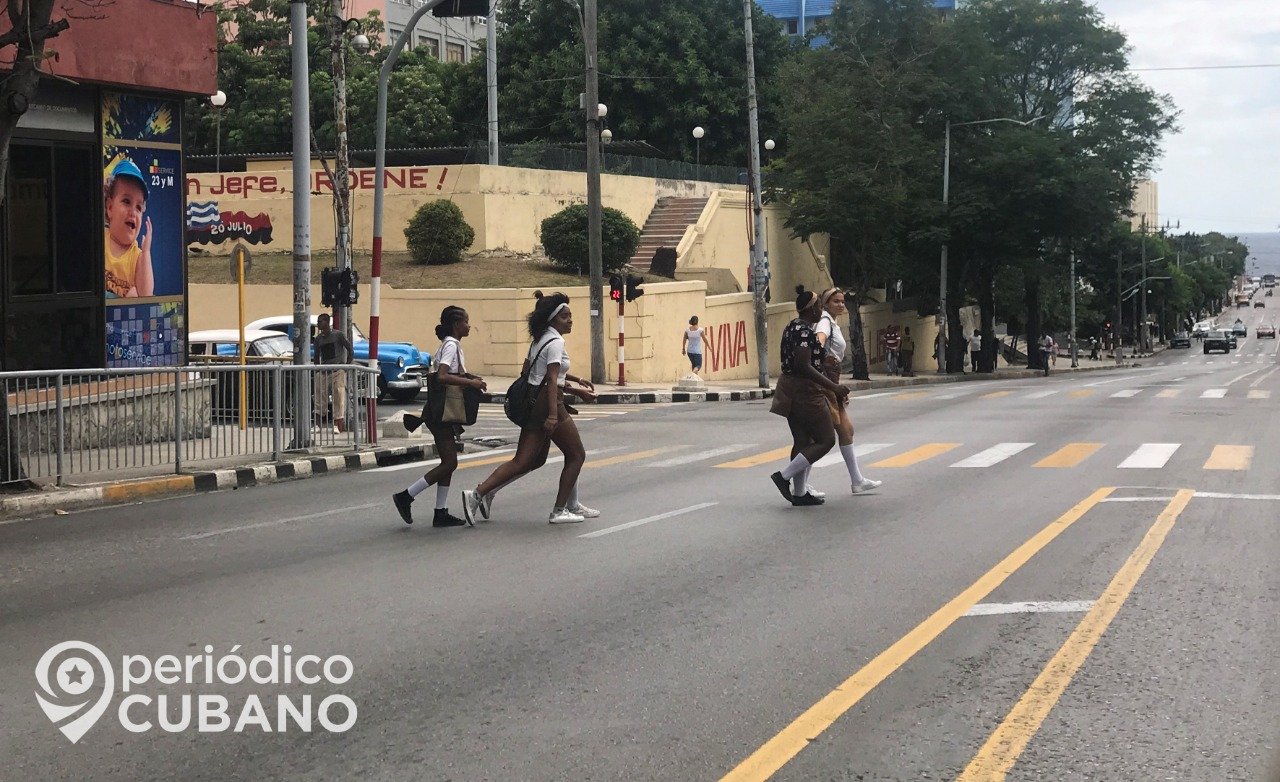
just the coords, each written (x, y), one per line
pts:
(429, 463)
(1127, 393)
(1238, 378)
(1023, 721)
(917, 455)
(877, 394)
(1081, 393)
(910, 395)
(860, 450)
(758, 459)
(996, 395)
(1230, 457)
(1258, 382)
(1169, 393)
(638, 522)
(994, 455)
(1214, 393)
(956, 394)
(806, 728)
(1044, 394)
(1138, 499)
(1257, 393)
(1041, 607)
(700, 455)
(278, 522)
(1070, 455)
(1213, 495)
(626, 457)
(1150, 456)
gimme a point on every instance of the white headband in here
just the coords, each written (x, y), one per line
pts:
(556, 311)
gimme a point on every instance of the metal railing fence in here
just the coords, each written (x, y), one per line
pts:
(80, 422)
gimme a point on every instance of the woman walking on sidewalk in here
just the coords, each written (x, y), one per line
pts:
(691, 345)
(833, 343)
(450, 371)
(547, 365)
(806, 397)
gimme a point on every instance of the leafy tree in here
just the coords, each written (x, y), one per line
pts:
(564, 238)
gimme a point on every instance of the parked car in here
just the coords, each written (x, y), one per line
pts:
(1180, 340)
(1266, 330)
(1217, 340)
(403, 368)
(222, 347)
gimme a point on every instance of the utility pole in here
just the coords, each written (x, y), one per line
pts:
(759, 274)
(301, 217)
(341, 163)
(491, 75)
(1142, 324)
(1119, 309)
(1075, 353)
(942, 272)
(591, 106)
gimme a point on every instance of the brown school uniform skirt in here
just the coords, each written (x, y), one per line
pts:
(804, 401)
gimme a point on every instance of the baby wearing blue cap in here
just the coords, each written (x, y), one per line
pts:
(128, 263)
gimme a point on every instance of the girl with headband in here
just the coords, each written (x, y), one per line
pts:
(547, 364)
(833, 343)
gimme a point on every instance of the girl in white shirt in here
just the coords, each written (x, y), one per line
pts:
(548, 366)
(691, 346)
(832, 339)
(454, 325)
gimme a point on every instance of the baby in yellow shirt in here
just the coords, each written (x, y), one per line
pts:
(129, 271)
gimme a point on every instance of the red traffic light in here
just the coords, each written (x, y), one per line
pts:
(615, 287)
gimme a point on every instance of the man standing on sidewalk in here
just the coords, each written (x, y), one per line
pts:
(891, 343)
(975, 349)
(332, 347)
(907, 350)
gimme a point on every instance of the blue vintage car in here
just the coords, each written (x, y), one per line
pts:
(403, 367)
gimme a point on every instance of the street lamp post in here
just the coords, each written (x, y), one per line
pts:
(698, 133)
(946, 195)
(218, 100)
(301, 214)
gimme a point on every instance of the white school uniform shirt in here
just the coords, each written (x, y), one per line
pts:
(975, 343)
(554, 353)
(836, 344)
(695, 340)
(450, 355)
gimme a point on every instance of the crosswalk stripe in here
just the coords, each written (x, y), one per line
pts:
(1214, 393)
(917, 455)
(1255, 393)
(1044, 394)
(859, 450)
(994, 455)
(996, 395)
(1150, 456)
(690, 458)
(626, 457)
(910, 395)
(1128, 393)
(1169, 393)
(1081, 393)
(1230, 457)
(1070, 455)
(755, 460)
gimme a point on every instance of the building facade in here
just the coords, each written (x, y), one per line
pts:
(802, 17)
(450, 40)
(1145, 206)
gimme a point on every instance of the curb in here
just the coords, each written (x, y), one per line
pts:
(661, 397)
(53, 500)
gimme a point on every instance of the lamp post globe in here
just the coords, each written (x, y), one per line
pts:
(218, 99)
(360, 42)
(602, 111)
(698, 132)
(606, 135)
(769, 144)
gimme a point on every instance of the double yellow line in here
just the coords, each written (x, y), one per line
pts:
(1002, 750)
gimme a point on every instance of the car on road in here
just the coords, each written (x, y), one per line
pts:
(1238, 329)
(1180, 340)
(1217, 340)
(221, 347)
(402, 367)
(1266, 330)
(1259, 303)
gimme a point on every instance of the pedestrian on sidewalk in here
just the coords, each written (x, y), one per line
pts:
(907, 353)
(891, 342)
(805, 396)
(332, 347)
(1094, 354)
(547, 368)
(454, 325)
(1050, 349)
(834, 345)
(691, 345)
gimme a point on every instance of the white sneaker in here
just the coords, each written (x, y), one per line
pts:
(819, 494)
(866, 484)
(470, 506)
(565, 516)
(485, 505)
(584, 511)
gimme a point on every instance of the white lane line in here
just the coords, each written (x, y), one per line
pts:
(1044, 394)
(1213, 495)
(859, 450)
(700, 455)
(993, 456)
(429, 463)
(1037, 607)
(881, 393)
(957, 394)
(1214, 393)
(1258, 382)
(659, 517)
(1178, 380)
(278, 522)
(1138, 499)
(1257, 393)
(1242, 377)
(1150, 456)
(1128, 393)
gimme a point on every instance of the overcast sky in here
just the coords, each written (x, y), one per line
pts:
(1222, 171)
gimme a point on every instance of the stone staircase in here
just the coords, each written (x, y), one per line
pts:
(665, 227)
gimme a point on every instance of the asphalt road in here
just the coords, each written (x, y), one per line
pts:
(1071, 578)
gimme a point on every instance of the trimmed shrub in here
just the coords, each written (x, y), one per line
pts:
(438, 234)
(564, 239)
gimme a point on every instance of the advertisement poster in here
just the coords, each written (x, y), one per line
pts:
(144, 220)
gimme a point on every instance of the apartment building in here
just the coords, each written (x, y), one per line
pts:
(451, 40)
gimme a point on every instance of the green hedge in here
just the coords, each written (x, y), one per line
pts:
(438, 234)
(564, 239)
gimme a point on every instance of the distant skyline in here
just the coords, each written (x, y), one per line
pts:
(1220, 173)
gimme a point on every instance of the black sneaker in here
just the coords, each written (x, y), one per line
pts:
(412, 422)
(445, 519)
(783, 485)
(404, 504)
(807, 499)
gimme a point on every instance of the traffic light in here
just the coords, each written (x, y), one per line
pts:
(348, 287)
(462, 8)
(338, 287)
(330, 280)
(633, 287)
(615, 287)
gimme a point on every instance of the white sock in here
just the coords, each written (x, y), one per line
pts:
(442, 496)
(797, 466)
(418, 487)
(851, 461)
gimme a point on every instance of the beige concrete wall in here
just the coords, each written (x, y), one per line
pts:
(1146, 206)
